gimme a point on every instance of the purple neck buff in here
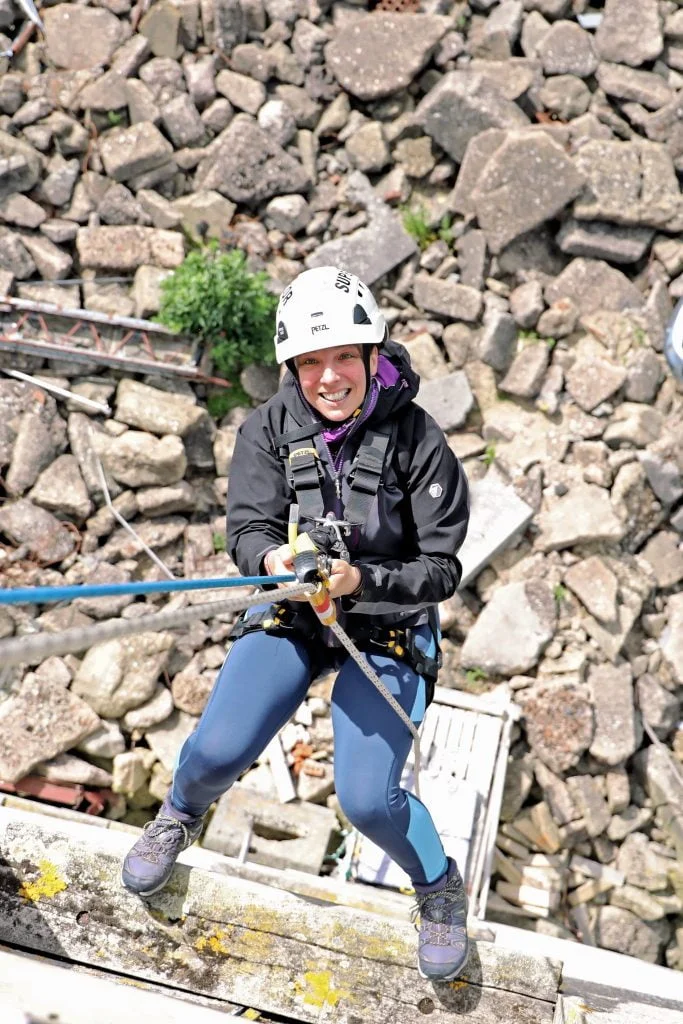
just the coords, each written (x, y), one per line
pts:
(386, 377)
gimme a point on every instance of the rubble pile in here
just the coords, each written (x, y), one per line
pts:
(537, 145)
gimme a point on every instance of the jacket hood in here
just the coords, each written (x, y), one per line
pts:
(390, 399)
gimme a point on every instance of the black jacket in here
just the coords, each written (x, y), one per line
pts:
(407, 548)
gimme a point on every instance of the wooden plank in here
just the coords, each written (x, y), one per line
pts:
(427, 734)
(598, 1009)
(282, 776)
(245, 943)
(495, 702)
(455, 740)
(459, 766)
(440, 738)
(483, 753)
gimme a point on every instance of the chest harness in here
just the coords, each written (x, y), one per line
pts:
(305, 475)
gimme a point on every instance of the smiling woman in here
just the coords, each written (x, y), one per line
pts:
(379, 491)
(335, 380)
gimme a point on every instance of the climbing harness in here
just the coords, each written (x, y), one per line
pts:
(311, 567)
(296, 446)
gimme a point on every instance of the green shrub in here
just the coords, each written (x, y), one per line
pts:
(213, 297)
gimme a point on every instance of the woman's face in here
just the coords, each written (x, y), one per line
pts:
(333, 379)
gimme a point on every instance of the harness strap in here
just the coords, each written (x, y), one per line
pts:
(282, 441)
(366, 474)
(305, 472)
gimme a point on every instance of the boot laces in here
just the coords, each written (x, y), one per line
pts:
(162, 836)
(441, 912)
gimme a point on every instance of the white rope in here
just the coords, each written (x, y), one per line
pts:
(126, 525)
(29, 650)
(32, 649)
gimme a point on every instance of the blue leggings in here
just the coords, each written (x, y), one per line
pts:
(261, 684)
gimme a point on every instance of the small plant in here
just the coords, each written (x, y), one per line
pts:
(639, 336)
(212, 297)
(415, 223)
(114, 118)
(446, 229)
(551, 343)
(559, 592)
(219, 544)
(475, 676)
(528, 336)
(489, 454)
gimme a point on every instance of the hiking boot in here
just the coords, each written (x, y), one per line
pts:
(442, 943)
(149, 865)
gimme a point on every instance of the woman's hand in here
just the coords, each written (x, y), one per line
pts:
(280, 562)
(344, 578)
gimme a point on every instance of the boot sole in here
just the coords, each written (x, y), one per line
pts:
(146, 892)
(448, 977)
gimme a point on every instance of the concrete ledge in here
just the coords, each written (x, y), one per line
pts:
(239, 941)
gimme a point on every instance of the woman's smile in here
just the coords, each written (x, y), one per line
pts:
(334, 380)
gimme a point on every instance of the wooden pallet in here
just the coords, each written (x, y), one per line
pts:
(234, 940)
(465, 741)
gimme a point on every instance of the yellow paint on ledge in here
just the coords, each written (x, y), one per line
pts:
(46, 885)
(318, 989)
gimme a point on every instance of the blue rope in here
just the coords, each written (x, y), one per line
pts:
(45, 595)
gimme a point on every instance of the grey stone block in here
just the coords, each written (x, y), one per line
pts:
(448, 399)
(497, 519)
(283, 835)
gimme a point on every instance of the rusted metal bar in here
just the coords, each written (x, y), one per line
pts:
(45, 350)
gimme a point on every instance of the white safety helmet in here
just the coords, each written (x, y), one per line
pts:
(673, 345)
(323, 308)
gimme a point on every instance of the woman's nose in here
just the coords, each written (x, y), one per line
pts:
(329, 373)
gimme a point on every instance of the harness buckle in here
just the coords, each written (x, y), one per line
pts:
(301, 452)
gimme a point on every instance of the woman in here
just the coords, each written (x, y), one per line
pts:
(380, 490)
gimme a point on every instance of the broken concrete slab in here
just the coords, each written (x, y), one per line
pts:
(596, 587)
(512, 630)
(362, 54)
(584, 514)
(159, 412)
(118, 675)
(461, 106)
(498, 518)
(630, 32)
(373, 250)
(448, 399)
(245, 164)
(45, 537)
(280, 835)
(446, 298)
(526, 182)
(128, 247)
(618, 730)
(39, 722)
(594, 285)
(603, 241)
(559, 722)
(629, 183)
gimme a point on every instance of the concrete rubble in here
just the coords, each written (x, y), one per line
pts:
(541, 155)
